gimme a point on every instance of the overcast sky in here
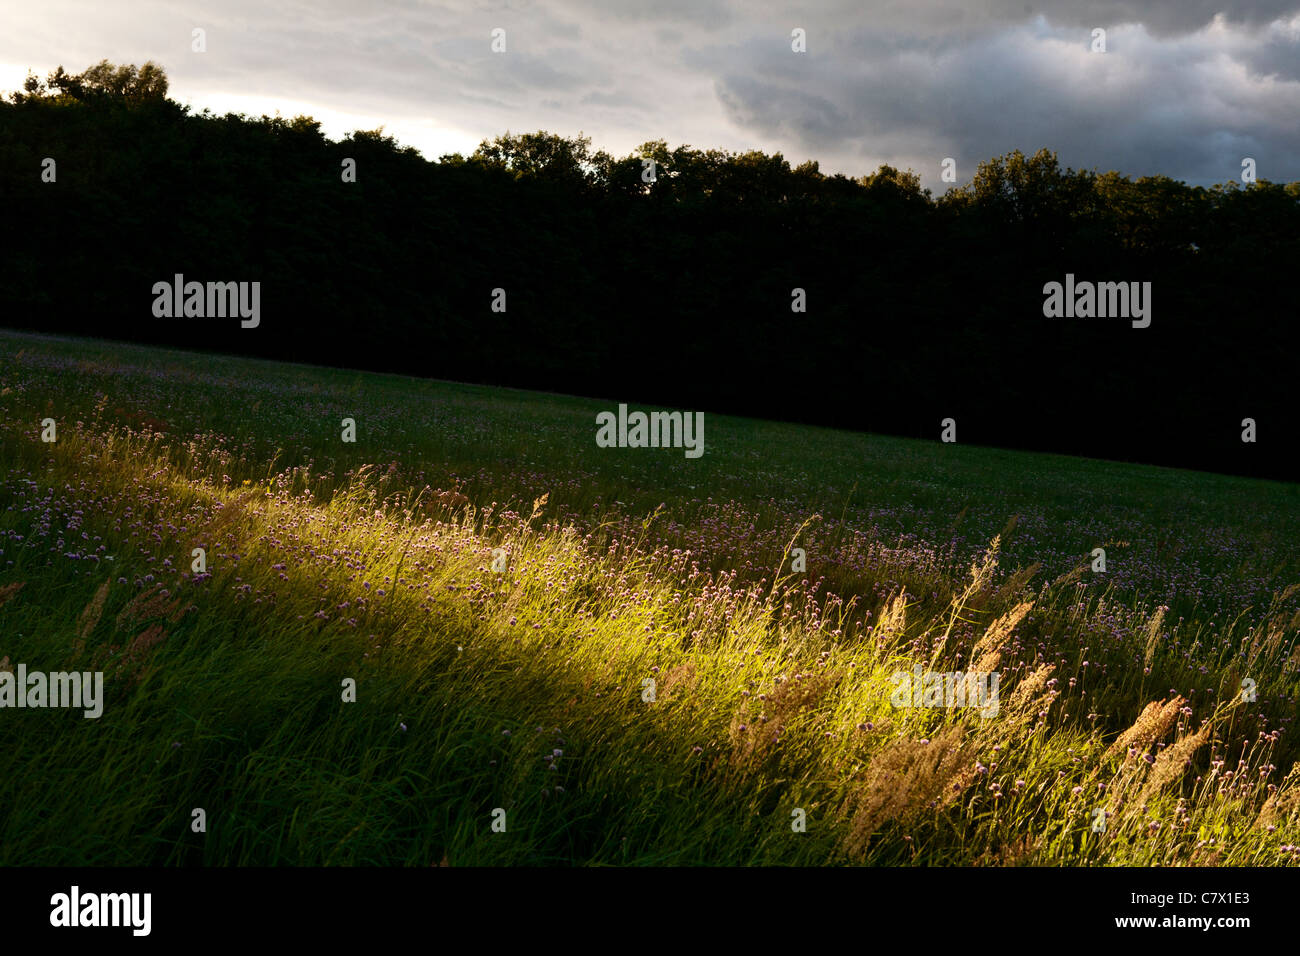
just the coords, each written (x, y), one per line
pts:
(1186, 88)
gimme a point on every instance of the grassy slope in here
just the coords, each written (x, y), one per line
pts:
(224, 693)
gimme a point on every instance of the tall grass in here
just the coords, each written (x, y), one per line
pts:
(647, 681)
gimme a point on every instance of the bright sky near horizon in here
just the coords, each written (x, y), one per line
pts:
(1186, 88)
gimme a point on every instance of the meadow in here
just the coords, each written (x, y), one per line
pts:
(564, 654)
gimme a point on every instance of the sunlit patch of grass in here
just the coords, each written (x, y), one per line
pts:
(646, 681)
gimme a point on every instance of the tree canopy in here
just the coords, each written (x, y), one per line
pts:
(101, 81)
(666, 275)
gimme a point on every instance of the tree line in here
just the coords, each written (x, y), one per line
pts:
(668, 276)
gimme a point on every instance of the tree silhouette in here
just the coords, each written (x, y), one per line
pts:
(674, 288)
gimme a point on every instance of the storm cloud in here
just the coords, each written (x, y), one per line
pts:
(1185, 88)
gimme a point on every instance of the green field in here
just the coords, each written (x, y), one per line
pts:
(502, 643)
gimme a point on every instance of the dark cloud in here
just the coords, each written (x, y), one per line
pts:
(1191, 107)
(1187, 87)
